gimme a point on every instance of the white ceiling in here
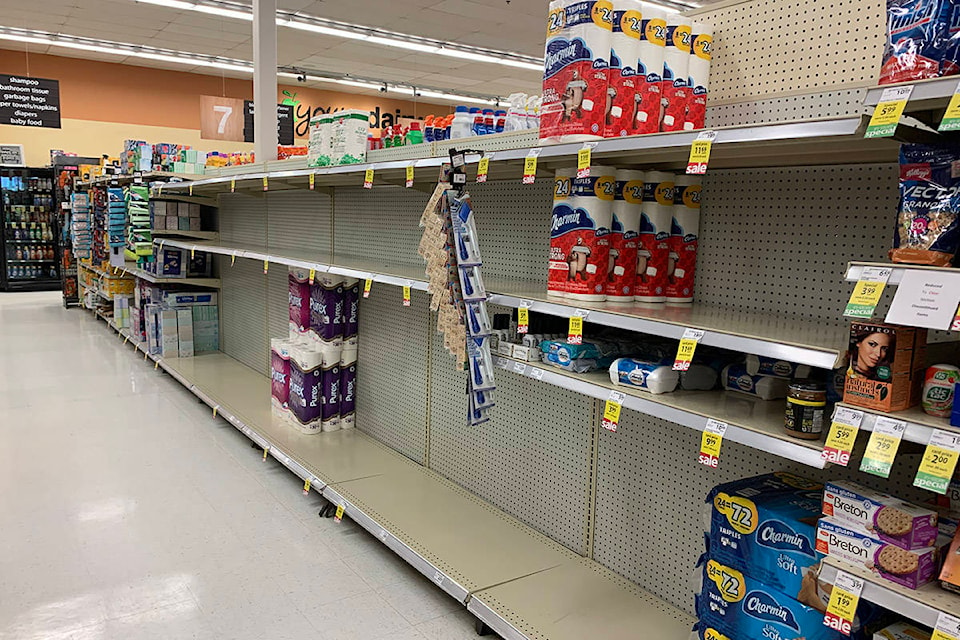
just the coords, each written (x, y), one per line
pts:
(514, 25)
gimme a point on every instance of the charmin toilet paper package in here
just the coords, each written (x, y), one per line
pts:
(676, 66)
(624, 233)
(701, 53)
(623, 78)
(649, 376)
(653, 43)
(575, 74)
(559, 269)
(684, 239)
(653, 250)
(582, 229)
(349, 130)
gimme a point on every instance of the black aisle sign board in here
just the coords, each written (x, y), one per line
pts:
(284, 123)
(29, 102)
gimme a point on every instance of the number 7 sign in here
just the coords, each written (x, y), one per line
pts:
(221, 118)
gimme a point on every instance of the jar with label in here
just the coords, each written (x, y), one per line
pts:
(806, 408)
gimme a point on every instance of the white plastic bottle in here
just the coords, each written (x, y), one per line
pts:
(462, 125)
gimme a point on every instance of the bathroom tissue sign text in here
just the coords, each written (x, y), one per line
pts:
(939, 461)
(710, 442)
(700, 153)
(843, 433)
(611, 410)
(886, 116)
(843, 603)
(882, 447)
(686, 349)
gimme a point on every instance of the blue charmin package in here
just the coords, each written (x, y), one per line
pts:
(767, 526)
(732, 605)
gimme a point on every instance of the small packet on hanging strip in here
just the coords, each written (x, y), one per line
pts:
(478, 321)
(475, 416)
(480, 363)
(471, 284)
(483, 399)
(465, 230)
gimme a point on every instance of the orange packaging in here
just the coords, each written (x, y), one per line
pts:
(886, 367)
(950, 576)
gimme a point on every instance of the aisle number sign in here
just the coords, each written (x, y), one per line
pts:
(368, 178)
(883, 445)
(530, 166)
(844, 599)
(947, 628)
(584, 159)
(866, 295)
(939, 461)
(710, 442)
(409, 182)
(700, 153)
(951, 117)
(886, 116)
(483, 168)
(688, 345)
(842, 436)
(523, 319)
(611, 410)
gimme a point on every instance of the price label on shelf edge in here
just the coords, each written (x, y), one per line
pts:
(939, 461)
(367, 284)
(530, 166)
(887, 114)
(483, 168)
(710, 442)
(368, 178)
(266, 183)
(842, 435)
(313, 181)
(575, 329)
(955, 325)
(611, 410)
(409, 181)
(947, 627)
(406, 295)
(306, 487)
(523, 319)
(687, 347)
(584, 159)
(844, 598)
(883, 446)
(700, 153)
(866, 294)
(951, 117)
(339, 514)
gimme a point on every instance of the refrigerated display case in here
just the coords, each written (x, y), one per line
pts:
(66, 170)
(29, 246)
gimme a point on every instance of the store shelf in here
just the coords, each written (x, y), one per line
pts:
(934, 93)
(919, 425)
(29, 241)
(211, 236)
(922, 605)
(31, 261)
(801, 341)
(145, 177)
(752, 422)
(807, 142)
(855, 269)
(133, 270)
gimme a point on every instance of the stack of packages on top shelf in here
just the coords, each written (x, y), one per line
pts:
(615, 69)
(624, 236)
(116, 224)
(139, 236)
(137, 156)
(314, 370)
(338, 138)
(923, 40)
(451, 250)
(759, 574)
(81, 225)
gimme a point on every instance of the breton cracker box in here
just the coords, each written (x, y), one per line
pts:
(731, 604)
(848, 542)
(950, 576)
(890, 519)
(887, 363)
(767, 527)
(901, 631)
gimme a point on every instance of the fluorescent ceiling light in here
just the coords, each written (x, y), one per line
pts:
(319, 28)
(223, 13)
(222, 10)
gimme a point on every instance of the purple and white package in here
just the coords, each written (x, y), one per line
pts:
(351, 311)
(330, 413)
(280, 375)
(326, 312)
(299, 300)
(348, 402)
(916, 40)
(306, 398)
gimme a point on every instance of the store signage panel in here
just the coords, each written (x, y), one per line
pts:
(11, 155)
(284, 123)
(29, 102)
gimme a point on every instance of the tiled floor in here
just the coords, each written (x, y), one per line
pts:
(128, 512)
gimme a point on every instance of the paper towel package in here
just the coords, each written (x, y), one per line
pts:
(701, 52)
(653, 42)
(624, 232)
(684, 239)
(319, 145)
(579, 237)
(575, 72)
(676, 66)
(350, 128)
(653, 247)
(623, 80)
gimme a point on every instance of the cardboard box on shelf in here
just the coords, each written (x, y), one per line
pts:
(887, 363)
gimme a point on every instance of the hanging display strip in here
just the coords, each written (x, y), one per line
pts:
(757, 426)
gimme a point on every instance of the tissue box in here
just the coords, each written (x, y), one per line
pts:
(172, 262)
(911, 569)
(187, 298)
(890, 519)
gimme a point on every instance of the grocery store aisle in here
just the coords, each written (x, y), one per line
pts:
(128, 511)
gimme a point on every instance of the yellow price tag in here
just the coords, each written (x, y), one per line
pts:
(409, 182)
(575, 331)
(882, 446)
(312, 179)
(530, 166)
(483, 168)
(939, 461)
(611, 410)
(700, 153)
(125, 340)
(339, 515)
(842, 436)
(313, 274)
(368, 178)
(947, 627)
(266, 183)
(844, 599)
(406, 296)
(583, 160)
(190, 190)
(145, 354)
(687, 347)
(366, 287)
(866, 295)
(710, 442)
(266, 450)
(215, 409)
(156, 364)
(306, 487)
(523, 320)
(887, 114)
(233, 185)
(266, 266)
(193, 253)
